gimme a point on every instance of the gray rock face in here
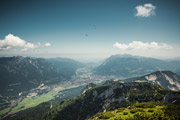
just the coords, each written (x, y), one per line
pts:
(116, 95)
(107, 93)
(166, 79)
(95, 93)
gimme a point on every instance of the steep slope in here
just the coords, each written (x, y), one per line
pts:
(89, 86)
(166, 79)
(142, 111)
(65, 65)
(126, 66)
(109, 97)
(18, 75)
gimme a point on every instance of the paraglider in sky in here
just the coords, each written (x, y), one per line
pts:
(86, 34)
(95, 26)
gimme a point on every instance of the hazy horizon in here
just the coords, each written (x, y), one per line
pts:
(86, 58)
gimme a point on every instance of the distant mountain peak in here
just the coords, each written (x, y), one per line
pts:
(126, 66)
(125, 56)
(164, 72)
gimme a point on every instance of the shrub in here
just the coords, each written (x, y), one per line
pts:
(106, 115)
(150, 110)
(120, 110)
(125, 113)
(137, 110)
(141, 116)
(133, 111)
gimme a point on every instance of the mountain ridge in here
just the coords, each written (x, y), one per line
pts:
(126, 66)
(167, 79)
(109, 97)
(20, 74)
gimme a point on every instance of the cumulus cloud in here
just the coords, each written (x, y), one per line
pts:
(29, 46)
(138, 45)
(33, 46)
(145, 10)
(11, 41)
(14, 41)
(47, 44)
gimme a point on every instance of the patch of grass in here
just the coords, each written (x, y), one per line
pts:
(142, 111)
(4, 111)
(134, 110)
(107, 115)
(34, 101)
(27, 102)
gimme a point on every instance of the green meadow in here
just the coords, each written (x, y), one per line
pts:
(34, 101)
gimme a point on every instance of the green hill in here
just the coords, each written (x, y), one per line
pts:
(142, 111)
(109, 97)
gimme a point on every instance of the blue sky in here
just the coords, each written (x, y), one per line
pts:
(58, 28)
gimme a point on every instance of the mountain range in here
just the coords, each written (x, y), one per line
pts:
(137, 79)
(106, 98)
(18, 75)
(113, 95)
(30, 72)
(126, 66)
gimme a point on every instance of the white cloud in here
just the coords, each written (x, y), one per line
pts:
(145, 11)
(47, 44)
(11, 41)
(14, 41)
(33, 46)
(29, 46)
(138, 45)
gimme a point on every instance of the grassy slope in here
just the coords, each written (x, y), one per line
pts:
(142, 111)
(70, 106)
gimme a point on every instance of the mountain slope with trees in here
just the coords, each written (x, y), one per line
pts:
(109, 97)
(126, 66)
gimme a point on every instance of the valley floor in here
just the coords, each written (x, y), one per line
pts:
(45, 93)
